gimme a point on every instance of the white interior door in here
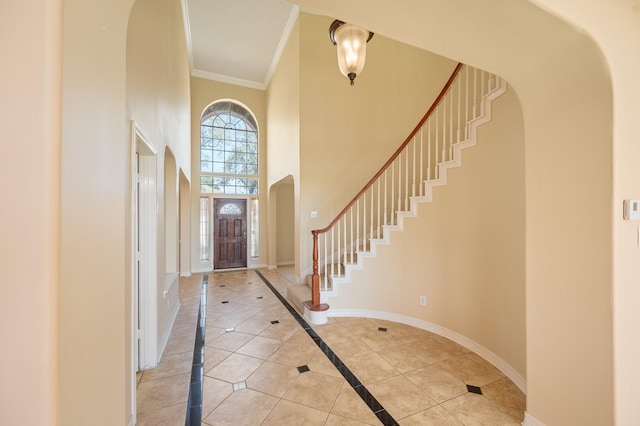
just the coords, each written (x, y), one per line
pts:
(144, 256)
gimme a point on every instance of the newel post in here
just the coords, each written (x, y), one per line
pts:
(315, 278)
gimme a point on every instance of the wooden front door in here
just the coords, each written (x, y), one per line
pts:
(230, 233)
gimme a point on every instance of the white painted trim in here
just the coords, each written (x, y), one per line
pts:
(256, 265)
(133, 320)
(187, 31)
(529, 420)
(185, 274)
(315, 317)
(167, 333)
(227, 79)
(132, 420)
(272, 267)
(293, 17)
(201, 270)
(286, 263)
(485, 353)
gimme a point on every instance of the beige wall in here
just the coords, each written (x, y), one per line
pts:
(153, 90)
(465, 249)
(564, 88)
(285, 224)
(30, 111)
(615, 27)
(93, 294)
(158, 101)
(203, 93)
(283, 135)
(348, 132)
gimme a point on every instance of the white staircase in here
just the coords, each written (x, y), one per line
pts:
(406, 180)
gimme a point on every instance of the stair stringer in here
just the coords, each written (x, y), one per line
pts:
(414, 202)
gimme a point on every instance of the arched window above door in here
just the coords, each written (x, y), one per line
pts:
(228, 150)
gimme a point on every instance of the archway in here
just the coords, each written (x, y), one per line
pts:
(564, 87)
(282, 228)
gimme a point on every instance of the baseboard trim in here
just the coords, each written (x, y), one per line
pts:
(529, 420)
(286, 263)
(200, 270)
(185, 274)
(167, 334)
(485, 353)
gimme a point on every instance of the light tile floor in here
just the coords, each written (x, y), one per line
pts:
(419, 377)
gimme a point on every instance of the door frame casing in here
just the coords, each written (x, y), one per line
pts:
(246, 203)
(144, 231)
(212, 197)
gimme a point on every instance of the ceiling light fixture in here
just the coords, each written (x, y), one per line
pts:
(351, 42)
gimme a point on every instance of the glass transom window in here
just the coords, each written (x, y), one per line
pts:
(228, 150)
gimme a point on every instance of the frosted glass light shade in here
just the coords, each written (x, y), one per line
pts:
(351, 42)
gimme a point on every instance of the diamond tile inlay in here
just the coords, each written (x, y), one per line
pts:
(239, 385)
(474, 389)
(303, 368)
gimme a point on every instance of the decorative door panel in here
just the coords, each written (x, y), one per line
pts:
(230, 233)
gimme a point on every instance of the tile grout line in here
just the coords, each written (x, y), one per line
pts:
(378, 410)
(194, 400)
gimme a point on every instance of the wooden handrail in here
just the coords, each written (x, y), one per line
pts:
(315, 286)
(443, 92)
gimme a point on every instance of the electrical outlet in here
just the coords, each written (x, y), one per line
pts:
(423, 300)
(631, 209)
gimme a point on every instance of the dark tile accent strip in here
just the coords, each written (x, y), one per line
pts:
(373, 404)
(194, 401)
(382, 328)
(275, 322)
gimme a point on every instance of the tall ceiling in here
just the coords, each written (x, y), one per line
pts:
(237, 41)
